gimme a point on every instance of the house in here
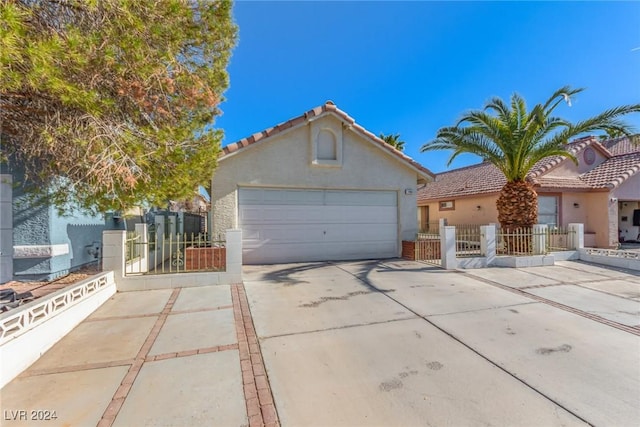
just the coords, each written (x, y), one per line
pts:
(314, 188)
(36, 241)
(602, 192)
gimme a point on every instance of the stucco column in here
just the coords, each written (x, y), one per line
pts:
(576, 236)
(539, 239)
(113, 251)
(488, 243)
(448, 247)
(6, 228)
(234, 251)
(612, 224)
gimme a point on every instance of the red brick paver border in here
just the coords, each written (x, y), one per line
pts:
(109, 415)
(261, 408)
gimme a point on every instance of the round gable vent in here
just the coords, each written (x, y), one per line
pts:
(589, 156)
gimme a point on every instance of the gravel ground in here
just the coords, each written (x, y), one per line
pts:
(39, 289)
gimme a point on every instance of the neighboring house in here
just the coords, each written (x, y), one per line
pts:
(602, 192)
(36, 242)
(314, 188)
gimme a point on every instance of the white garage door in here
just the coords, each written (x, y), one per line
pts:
(317, 225)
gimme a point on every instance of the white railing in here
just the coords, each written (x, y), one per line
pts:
(613, 253)
(19, 320)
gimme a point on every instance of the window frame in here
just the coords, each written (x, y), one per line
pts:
(447, 208)
(558, 216)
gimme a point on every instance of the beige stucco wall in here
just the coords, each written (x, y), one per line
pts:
(571, 214)
(285, 160)
(569, 169)
(601, 218)
(629, 190)
(595, 211)
(466, 211)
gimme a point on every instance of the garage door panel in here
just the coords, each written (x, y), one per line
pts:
(360, 214)
(282, 225)
(263, 196)
(318, 215)
(360, 198)
(361, 233)
(266, 215)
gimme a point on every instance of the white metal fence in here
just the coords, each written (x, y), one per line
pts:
(167, 253)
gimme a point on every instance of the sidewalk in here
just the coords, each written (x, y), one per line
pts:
(165, 357)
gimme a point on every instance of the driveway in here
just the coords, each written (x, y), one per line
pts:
(354, 343)
(401, 343)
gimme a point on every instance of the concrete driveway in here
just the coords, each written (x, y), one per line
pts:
(391, 343)
(402, 343)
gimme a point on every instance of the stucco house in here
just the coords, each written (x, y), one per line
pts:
(316, 187)
(602, 192)
(36, 242)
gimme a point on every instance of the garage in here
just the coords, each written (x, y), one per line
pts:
(317, 187)
(294, 225)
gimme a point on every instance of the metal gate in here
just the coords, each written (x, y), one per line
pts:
(427, 248)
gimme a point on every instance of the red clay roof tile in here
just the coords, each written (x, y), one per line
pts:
(328, 107)
(623, 161)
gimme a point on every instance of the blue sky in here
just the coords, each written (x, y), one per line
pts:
(413, 67)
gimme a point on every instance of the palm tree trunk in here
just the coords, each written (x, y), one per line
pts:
(517, 211)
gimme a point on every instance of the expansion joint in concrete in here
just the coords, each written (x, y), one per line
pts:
(337, 328)
(478, 353)
(630, 329)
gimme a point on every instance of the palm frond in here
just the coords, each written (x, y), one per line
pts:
(515, 139)
(563, 94)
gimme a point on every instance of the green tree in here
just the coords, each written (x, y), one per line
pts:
(514, 139)
(111, 103)
(393, 140)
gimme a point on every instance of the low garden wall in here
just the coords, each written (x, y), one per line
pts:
(612, 257)
(26, 332)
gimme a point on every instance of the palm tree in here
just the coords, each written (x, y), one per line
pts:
(393, 140)
(514, 139)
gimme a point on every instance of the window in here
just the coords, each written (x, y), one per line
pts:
(548, 210)
(447, 205)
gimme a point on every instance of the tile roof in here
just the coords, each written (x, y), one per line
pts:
(623, 145)
(614, 171)
(559, 182)
(328, 108)
(623, 161)
(574, 147)
(481, 178)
